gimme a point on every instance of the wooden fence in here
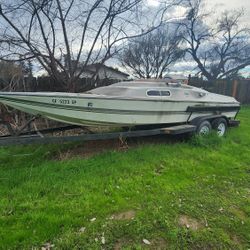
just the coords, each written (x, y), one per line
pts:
(49, 84)
(239, 89)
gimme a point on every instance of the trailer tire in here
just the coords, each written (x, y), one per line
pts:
(220, 126)
(203, 128)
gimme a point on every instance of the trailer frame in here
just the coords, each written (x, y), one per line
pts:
(19, 137)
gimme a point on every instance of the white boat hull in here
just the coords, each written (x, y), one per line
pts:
(82, 109)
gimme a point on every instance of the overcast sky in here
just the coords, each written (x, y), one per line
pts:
(221, 5)
(233, 4)
(217, 6)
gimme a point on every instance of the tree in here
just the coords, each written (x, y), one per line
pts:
(8, 70)
(11, 75)
(221, 50)
(152, 55)
(62, 34)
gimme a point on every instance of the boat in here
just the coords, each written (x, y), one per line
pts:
(130, 103)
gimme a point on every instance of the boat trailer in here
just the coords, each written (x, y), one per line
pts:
(17, 137)
(42, 137)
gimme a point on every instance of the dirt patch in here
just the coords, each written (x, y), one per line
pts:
(236, 240)
(118, 245)
(159, 244)
(238, 213)
(91, 148)
(190, 223)
(122, 243)
(155, 244)
(127, 215)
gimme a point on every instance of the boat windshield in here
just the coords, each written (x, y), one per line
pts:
(112, 91)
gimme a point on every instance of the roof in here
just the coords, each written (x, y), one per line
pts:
(99, 65)
(175, 77)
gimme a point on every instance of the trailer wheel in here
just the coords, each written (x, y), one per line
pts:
(204, 128)
(220, 126)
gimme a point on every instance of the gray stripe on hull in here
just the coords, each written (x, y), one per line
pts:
(92, 110)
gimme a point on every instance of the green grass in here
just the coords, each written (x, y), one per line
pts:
(206, 180)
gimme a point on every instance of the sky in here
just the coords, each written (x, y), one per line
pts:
(223, 4)
(235, 4)
(218, 6)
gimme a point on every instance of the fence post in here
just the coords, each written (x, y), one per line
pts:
(235, 87)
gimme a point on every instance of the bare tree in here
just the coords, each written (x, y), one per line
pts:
(11, 75)
(63, 34)
(152, 55)
(8, 70)
(220, 50)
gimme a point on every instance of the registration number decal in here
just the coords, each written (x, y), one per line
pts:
(64, 101)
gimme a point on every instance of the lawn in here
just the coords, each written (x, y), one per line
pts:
(187, 195)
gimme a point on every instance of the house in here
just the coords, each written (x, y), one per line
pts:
(100, 71)
(178, 78)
